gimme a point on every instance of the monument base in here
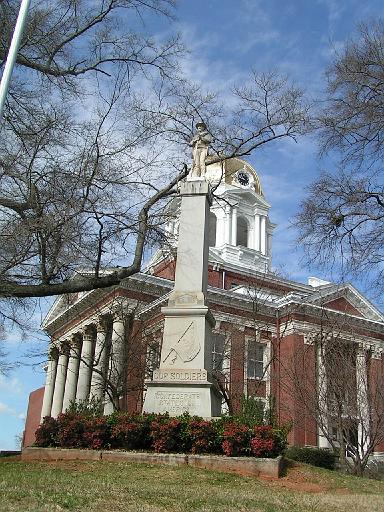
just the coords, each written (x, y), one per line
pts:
(198, 399)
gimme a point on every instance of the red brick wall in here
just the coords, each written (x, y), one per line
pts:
(376, 392)
(256, 388)
(295, 389)
(343, 305)
(237, 364)
(33, 416)
(166, 270)
(135, 367)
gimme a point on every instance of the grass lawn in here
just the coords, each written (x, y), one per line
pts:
(109, 487)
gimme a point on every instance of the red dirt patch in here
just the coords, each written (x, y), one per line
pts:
(11, 458)
(301, 479)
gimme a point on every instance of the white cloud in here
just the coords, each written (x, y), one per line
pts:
(5, 409)
(11, 385)
(335, 10)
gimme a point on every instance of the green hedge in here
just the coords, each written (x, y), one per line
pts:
(319, 457)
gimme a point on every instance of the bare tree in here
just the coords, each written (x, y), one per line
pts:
(342, 393)
(86, 160)
(342, 217)
(74, 182)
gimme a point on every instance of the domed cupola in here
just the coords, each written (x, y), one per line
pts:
(240, 229)
(240, 232)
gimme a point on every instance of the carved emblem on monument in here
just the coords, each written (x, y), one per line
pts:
(186, 348)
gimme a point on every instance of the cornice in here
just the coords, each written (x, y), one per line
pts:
(311, 333)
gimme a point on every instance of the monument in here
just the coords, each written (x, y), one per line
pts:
(183, 381)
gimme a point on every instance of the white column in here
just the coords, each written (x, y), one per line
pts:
(322, 394)
(116, 363)
(227, 224)
(100, 361)
(234, 226)
(220, 229)
(61, 373)
(250, 239)
(72, 373)
(86, 362)
(262, 234)
(257, 233)
(49, 382)
(362, 399)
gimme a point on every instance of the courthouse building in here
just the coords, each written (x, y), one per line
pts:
(308, 351)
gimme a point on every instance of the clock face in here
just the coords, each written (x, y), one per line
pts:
(243, 178)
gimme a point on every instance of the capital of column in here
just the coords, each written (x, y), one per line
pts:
(64, 347)
(53, 353)
(75, 342)
(102, 324)
(88, 332)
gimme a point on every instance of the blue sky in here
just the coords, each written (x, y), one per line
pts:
(226, 39)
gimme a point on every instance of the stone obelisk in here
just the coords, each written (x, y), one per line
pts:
(183, 383)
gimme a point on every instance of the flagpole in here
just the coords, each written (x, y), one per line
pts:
(12, 54)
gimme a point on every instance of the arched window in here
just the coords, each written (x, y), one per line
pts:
(242, 232)
(212, 230)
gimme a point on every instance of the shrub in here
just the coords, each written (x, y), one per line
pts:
(96, 433)
(252, 411)
(262, 442)
(236, 440)
(71, 428)
(267, 441)
(165, 433)
(280, 439)
(46, 433)
(132, 431)
(161, 433)
(202, 436)
(319, 457)
(93, 407)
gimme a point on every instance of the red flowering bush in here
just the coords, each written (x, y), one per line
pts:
(161, 433)
(46, 433)
(96, 433)
(71, 428)
(267, 441)
(262, 447)
(202, 436)
(166, 434)
(132, 431)
(236, 440)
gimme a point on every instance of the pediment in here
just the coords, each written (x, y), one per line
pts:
(61, 304)
(346, 299)
(248, 196)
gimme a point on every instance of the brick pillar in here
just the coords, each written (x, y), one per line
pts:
(237, 336)
(376, 397)
(136, 366)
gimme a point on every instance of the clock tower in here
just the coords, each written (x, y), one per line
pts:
(240, 231)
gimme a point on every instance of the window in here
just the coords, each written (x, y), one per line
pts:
(242, 232)
(217, 351)
(255, 360)
(153, 359)
(212, 230)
